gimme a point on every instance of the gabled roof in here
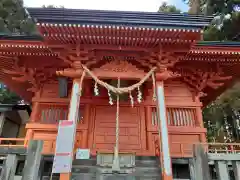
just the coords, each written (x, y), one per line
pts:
(123, 18)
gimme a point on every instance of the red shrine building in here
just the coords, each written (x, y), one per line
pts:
(131, 82)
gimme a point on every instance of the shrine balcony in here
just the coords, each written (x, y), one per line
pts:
(185, 128)
(185, 148)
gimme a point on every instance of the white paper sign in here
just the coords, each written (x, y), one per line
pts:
(83, 154)
(64, 146)
(62, 164)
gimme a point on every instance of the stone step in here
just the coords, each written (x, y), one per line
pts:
(147, 161)
(88, 162)
(147, 168)
(83, 176)
(83, 169)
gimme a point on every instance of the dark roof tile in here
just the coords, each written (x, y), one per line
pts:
(103, 17)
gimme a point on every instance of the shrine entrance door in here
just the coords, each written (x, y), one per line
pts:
(105, 129)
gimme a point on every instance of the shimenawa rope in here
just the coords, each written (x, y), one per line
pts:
(124, 89)
(118, 91)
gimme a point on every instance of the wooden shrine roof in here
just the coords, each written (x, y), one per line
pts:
(123, 18)
(138, 29)
(35, 52)
(108, 31)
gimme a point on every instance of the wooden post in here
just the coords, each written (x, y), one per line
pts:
(192, 166)
(201, 163)
(222, 170)
(236, 169)
(199, 120)
(33, 160)
(35, 112)
(163, 129)
(2, 120)
(73, 115)
(9, 168)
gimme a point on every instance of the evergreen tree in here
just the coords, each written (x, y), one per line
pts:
(8, 97)
(222, 116)
(225, 25)
(14, 19)
(168, 8)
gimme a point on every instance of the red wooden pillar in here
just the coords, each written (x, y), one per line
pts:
(163, 135)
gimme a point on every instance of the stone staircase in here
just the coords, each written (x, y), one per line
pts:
(84, 169)
(145, 168)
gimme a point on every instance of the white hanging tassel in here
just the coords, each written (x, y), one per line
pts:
(131, 99)
(96, 91)
(110, 98)
(139, 95)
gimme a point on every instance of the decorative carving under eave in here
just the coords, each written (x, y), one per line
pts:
(198, 79)
(163, 59)
(119, 68)
(36, 77)
(75, 56)
(167, 74)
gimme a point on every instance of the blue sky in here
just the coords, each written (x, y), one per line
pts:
(127, 5)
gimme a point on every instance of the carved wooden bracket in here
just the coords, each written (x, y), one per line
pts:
(70, 72)
(167, 74)
(163, 60)
(34, 76)
(199, 79)
(74, 57)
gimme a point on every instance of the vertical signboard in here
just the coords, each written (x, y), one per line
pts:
(64, 147)
(66, 135)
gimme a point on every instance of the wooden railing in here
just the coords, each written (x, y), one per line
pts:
(52, 113)
(177, 149)
(177, 116)
(183, 150)
(13, 142)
